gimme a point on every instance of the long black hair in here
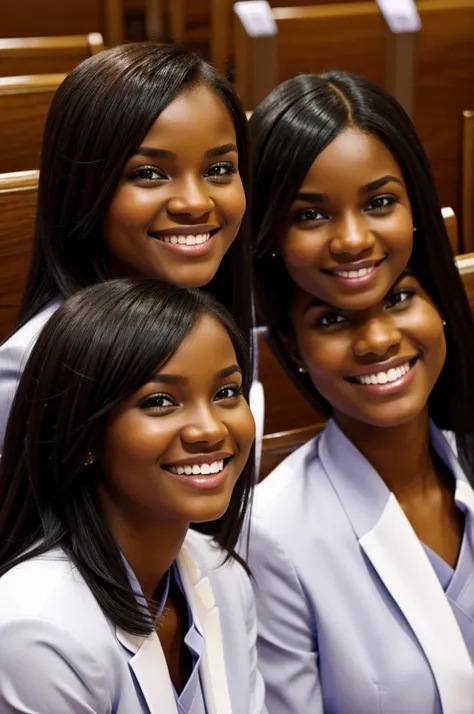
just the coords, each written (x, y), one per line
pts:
(101, 346)
(289, 129)
(99, 115)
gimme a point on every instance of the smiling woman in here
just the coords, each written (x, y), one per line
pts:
(151, 179)
(126, 430)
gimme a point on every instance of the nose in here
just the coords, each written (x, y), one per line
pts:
(353, 238)
(379, 337)
(206, 428)
(191, 198)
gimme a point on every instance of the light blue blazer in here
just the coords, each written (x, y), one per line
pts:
(60, 655)
(15, 351)
(352, 616)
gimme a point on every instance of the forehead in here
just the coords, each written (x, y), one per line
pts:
(351, 160)
(205, 350)
(196, 118)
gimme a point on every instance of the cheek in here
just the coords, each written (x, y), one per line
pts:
(241, 426)
(132, 206)
(301, 249)
(136, 439)
(233, 203)
(324, 360)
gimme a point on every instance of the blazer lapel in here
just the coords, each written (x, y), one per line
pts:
(206, 615)
(399, 559)
(151, 671)
(394, 550)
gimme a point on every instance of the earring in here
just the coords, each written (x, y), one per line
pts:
(89, 459)
(414, 229)
(444, 323)
(274, 254)
(302, 370)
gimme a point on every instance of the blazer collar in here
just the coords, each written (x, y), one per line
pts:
(396, 554)
(148, 661)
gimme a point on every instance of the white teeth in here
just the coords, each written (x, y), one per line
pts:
(198, 469)
(186, 240)
(361, 273)
(384, 377)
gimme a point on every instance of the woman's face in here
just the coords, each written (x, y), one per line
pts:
(377, 366)
(349, 232)
(174, 450)
(181, 201)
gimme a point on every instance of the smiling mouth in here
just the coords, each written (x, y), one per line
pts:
(385, 377)
(181, 239)
(355, 273)
(201, 469)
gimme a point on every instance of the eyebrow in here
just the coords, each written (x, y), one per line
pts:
(178, 379)
(310, 197)
(153, 153)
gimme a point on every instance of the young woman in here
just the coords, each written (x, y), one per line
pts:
(125, 429)
(144, 171)
(343, 196)
(362, 544)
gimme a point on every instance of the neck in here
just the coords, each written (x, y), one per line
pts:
(401, 455)
(150, 547)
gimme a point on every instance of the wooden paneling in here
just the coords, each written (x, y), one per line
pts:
(33, 18)
(46, 55)
(468, 181)
(17, 214)
(24, 103)
(346, 36)
(444, 88)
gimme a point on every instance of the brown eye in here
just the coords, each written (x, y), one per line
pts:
(158, 401)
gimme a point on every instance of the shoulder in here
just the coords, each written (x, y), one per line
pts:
(287, 484)
(47, 589)
(20, 343)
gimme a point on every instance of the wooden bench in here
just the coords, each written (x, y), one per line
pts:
(33, 18)
(17, 214)
(468, 181)
(46, 55)
(24, 103)
(352, 37)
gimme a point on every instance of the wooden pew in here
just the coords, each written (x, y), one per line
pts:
(46, 55)
(467, 188)
(17, 215)
(351, 37)
(33, 18)
(24, 103)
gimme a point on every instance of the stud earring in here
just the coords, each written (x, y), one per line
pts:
(444, 323)
(415, 229)
(274, 254)
(302, 370)
(89, 459)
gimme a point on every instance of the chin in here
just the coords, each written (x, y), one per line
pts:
(208, 512)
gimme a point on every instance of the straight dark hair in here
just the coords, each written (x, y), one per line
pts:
(289, 129)
(98, 117)
(101, 346)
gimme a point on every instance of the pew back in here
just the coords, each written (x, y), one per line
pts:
(17, 214)
(24, 104)
(46, 55)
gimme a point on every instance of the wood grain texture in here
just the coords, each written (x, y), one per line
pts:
(24, 103)
(467, 188)
(17, 215)
(46, 55)
(31, 18)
